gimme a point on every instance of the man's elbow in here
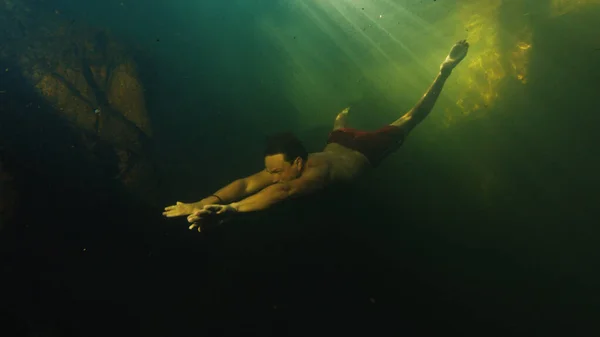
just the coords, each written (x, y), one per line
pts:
(302, 190)
(272, 195)
(282, 191)
(242, 185)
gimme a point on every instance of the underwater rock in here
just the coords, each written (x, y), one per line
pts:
(91, 81)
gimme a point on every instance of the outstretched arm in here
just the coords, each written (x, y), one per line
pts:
(244, 187)
(234, 191)
(309, 182)
(424, 106)
(273, 194)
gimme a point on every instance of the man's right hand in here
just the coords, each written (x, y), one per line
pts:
(179, 209)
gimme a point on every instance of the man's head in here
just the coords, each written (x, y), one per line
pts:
(285, 156)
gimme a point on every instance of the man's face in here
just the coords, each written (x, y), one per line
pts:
(282, 170)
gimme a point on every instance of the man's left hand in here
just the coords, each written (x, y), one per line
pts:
(198, 216)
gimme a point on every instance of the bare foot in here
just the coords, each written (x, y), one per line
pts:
(340, 120)
(457, 54)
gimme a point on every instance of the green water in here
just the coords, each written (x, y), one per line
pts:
(494, 207)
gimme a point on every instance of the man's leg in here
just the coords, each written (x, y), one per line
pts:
(424, 106)
(340, 119)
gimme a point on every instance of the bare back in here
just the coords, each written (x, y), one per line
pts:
(343, 164)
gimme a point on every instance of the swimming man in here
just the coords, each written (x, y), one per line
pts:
(290, 171)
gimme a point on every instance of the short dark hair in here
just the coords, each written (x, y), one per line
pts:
(287, 144)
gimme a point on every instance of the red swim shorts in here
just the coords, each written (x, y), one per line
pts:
(375, 145)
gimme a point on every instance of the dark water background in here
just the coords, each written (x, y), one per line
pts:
(412, 249)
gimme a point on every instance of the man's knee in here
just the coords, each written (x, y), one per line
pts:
(340, 120)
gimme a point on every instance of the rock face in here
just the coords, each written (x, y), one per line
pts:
(94, 87)
(91, 82)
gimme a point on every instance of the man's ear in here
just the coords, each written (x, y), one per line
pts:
(299, 162)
